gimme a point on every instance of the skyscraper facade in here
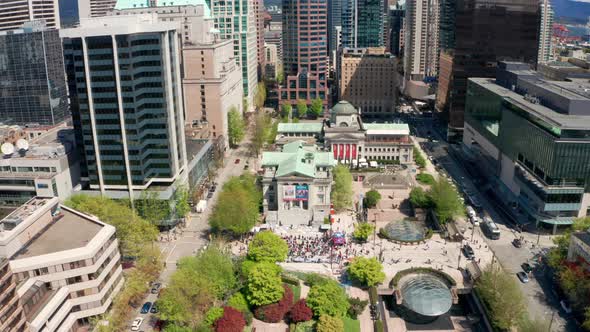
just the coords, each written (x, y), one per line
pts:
(125, 94)
(478, 34)
(546, 33)
(363, 24)
(422, 39)
(13, 14)
(259, 10)
(336, 10)
(237, 21)
(305, 51)
(33, 82)
(396, 28)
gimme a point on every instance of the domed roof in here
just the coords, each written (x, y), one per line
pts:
(426, 295)
(344, 107)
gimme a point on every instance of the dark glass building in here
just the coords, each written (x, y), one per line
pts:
(475, 35)
(33, 83)
(363, 24)
(396, 24)
(531, 138)
(124, 82)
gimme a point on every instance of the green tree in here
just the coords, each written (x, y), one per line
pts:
(362, 231)
(330, 324)
(317, 108)
(301, 108)
(372, 198)
(447, 204)
(264, 285)
(260, 96)
(419, 198)
(236, 127)
(151, 207)
(274, 130)
(238, 302)
(286, 112)
(280, 77)
(367, 271)
(419, 158)
(328, 298)
(245, 105)
(342, 188)
(182, 198)
(262, 126)
(213, 314)
(267, 247)
(503, 298)
(237, 207)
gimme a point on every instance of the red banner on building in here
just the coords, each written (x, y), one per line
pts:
(354, 151)
(335, 150)
(347, 151)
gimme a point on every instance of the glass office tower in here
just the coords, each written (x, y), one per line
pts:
(363, 24)
(124, 80)
(33, 84)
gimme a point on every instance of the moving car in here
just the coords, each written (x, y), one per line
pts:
(491, 229)
(468, 252)
(526, 267)
(156, 287)
(523, 277)
(136, 324)
(146, 308)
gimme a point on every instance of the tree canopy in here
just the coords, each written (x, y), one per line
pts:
(447, 204)
(286, 110)
(362, 231)
(262, 130)
(367, 271)
(150, 207)
(372, 198)
(236, 126)
(182, 197)
(260, 96)
(317, 108)
(301, 108)
(264, 285)
(419, 158)
(237, 207)
(420, 198)
(328, 298)
(267, 247)
(342, 188)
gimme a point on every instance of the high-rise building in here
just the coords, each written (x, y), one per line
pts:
(363, 24)
(259, 12)
(273, 35)
(33, 84)
(14, 13)
(13, 317)
(396, 29)
(305, 51)
(363, 82)
(271, 61)
(421, 45)
(125, 94)
(546, 33)
(236, 20)
(336, 11)
(70, 11)
(477, 34)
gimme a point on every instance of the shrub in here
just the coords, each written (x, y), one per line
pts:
(328, 298)
(232, 321)
(367, 271)
(425, 178)
(419, 158)
(238, 302)
(274, 313)
(362, 231)
(330, 324)
(213, 315)
(267, 247)
(264, 284)
(301, 312)
(289, 279)
(419, 198)
(372, 197)
(357, 306)
(314, 278)
(305, 326)
(378, 325)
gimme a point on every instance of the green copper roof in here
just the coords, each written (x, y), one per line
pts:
(135, 4)
(343, 107)
(300, 127)
(386, 126)
(297, 158)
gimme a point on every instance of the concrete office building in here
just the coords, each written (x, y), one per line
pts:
(368, 79)
(33, 81)
(397, 15)
(421, 46)
(305, 51)
(70, 11)
(49, 167)
(66, 264)
(125, 91)
(193, 19)
(271, 60)
(14, 13)
(237, 21)
(12, 316)
(529, 136)
(363, 24)
(212, 85)
(273, 35)
(546, 32)
(296, 185)
(259, 13)
(475, 35)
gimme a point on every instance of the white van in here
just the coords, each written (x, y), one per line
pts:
(470, 212)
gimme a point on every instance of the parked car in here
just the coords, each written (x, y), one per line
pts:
(468, 252)
(156, 287)
(523, 277)
(136, 324)
(154, 309)
(470, 211)
(475, 220)
(526, 267)
(146, 308)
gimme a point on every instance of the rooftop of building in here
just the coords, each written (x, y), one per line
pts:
(53, 143)
(117, 25)
(71, 231)
(377, 52)
(343, 107)
(297, 158)
(387, 128)
(302, 127)
(136, 4)
(563, 121)
(583, 236)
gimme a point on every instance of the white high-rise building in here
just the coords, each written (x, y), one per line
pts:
(421, 28)
(95, 8)
(14, 13)
(546, 33)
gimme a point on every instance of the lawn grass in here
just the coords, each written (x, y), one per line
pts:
(351, 325)
(425, 178)
(296, 292)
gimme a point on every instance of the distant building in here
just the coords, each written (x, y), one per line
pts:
(530, 137)
(296, 185)
(16, 12)
(336, 11)
(48, 167)
(259, 12)
(127, 109)
(421, 46)
(579, 249)
(396, 29)
(369, 80)
(546, 32)
(305, 51)
(273, 35)
(272, 64)
(363, 24)
(33, 84)
(70, 11)
(65, 265)
(475, 35)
